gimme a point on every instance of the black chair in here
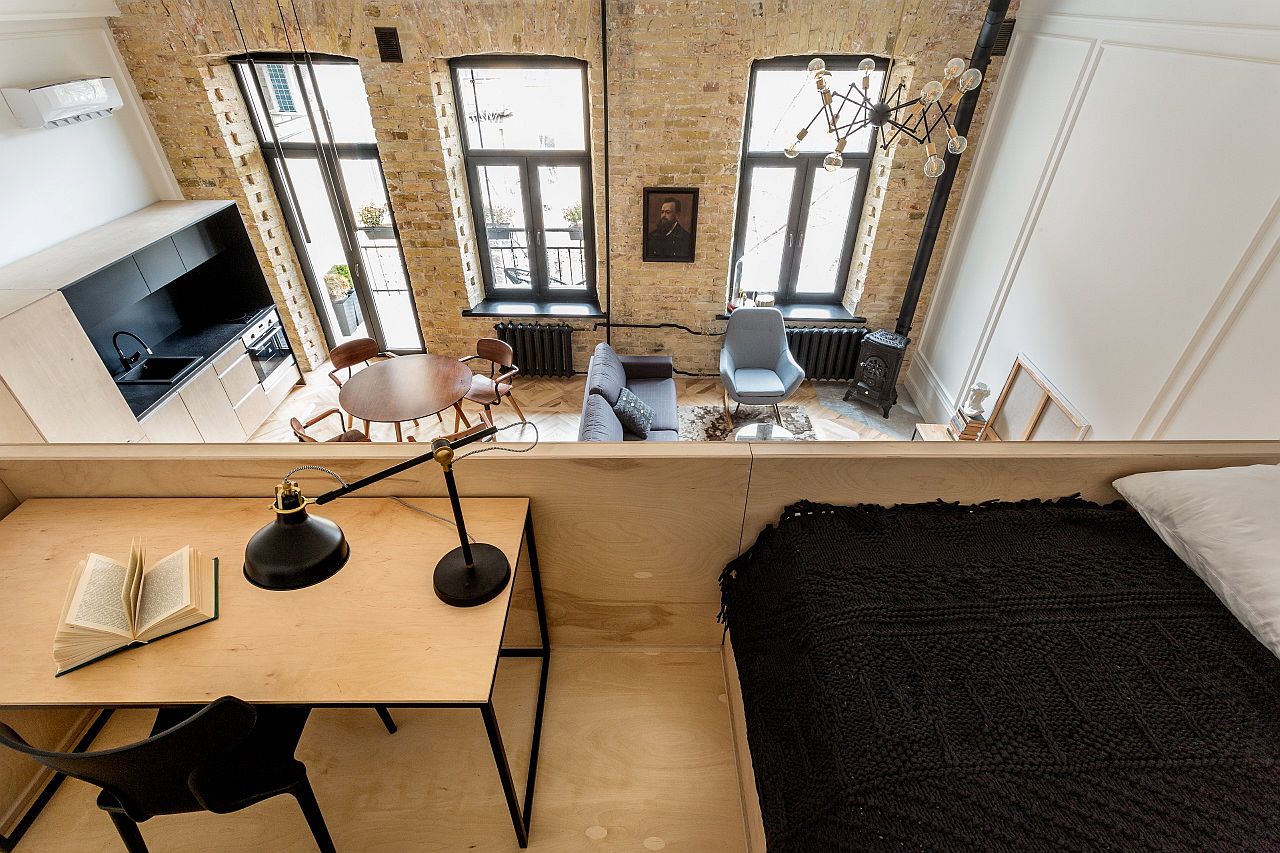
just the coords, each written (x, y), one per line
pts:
(221, 758)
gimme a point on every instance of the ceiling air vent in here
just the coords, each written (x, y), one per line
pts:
(389, 44)
(1001, 47)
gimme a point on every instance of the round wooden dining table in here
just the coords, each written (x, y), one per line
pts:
(405, 389)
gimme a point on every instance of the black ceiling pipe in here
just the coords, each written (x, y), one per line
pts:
(942, 188)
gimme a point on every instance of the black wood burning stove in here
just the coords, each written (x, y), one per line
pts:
(875, 380)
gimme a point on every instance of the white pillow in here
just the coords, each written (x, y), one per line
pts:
(1225, 525)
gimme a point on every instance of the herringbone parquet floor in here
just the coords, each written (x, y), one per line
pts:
(554, 404)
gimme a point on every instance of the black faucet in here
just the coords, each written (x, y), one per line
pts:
(129, 360)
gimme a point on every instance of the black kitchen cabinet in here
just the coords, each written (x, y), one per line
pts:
(160, 263)
(105, 292)
(204, 240)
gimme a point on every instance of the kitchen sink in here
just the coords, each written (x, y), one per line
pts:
(159, 370)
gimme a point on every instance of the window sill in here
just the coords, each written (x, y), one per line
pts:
(517, 308)
(813, 312)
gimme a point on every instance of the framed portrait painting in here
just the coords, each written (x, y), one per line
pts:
(670, 223)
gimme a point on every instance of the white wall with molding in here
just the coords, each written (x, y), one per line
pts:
(1122, 223)
(60, 182)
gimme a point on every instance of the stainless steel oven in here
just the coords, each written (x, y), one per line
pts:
(267, 345)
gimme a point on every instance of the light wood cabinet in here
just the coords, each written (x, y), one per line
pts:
(239, 378)
(171, 423)
(253, 409)
(15, 426)
(223, 362)
(49, 366)
(280, 383)
(210, 408)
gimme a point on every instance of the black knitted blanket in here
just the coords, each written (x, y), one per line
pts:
(1031, 676)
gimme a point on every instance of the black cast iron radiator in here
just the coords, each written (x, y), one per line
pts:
(826, 352)
(541, 349)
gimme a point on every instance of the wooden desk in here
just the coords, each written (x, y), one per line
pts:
(374, 634)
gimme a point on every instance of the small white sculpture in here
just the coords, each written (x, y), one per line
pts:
(972, 407)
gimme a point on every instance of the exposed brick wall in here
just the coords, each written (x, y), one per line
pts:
(678, 74)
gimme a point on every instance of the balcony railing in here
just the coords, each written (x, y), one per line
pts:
(566, 265)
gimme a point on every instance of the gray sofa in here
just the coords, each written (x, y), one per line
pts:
(649, 377)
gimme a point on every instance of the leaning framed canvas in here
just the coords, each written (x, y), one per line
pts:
(670, 223)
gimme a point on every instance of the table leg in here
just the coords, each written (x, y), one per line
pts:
(504, 773)
(366, 429)
(521, 819)
(399, 437)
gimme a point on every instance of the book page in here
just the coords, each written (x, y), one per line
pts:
(98, 602)
(133, 583)
(166, 589)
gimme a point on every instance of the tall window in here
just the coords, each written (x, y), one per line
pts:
(524, 132)
(316, 133)
(797, 221)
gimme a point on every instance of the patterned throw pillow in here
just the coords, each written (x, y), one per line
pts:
(635, 415)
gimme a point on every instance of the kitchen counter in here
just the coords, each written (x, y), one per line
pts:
(208, 342)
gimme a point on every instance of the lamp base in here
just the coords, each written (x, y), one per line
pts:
(463, 586)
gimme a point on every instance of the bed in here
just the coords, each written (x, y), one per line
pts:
(1012, 676)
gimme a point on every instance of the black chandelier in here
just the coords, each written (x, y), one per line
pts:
(917, 118)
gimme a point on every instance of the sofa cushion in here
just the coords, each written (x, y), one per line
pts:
(660, 395)
(634, 414)
(757, 382)
(599, 423)
(605, 376)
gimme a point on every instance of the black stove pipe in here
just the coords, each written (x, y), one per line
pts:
(942, 188)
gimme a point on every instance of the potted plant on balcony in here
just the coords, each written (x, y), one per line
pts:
(371, 218)
(573, 215)
(497, 222)
(342, 294)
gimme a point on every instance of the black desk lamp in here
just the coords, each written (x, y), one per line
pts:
(298, 550)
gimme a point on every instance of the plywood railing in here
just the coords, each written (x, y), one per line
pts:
(632, 537)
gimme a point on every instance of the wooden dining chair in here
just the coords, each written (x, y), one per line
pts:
(219, 758)
(489, 390)
(300, 428)
(348, 356)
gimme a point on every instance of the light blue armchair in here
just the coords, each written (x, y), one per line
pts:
(755, 365)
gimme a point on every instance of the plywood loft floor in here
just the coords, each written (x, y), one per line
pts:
(554, 404)
(637, 755)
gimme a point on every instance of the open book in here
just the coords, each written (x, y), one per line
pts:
(111, 606)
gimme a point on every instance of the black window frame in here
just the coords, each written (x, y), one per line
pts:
(331, 153)
(528, 161)
(805, 165)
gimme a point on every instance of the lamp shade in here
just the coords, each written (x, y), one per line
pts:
(296, 550)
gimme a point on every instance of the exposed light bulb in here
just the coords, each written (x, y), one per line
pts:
(816, 65)
(930, 92)
(957, 144)
(953, 69)
(934, 166)
(832, 162)
(970, 80)
(867, 65)
(791, 151)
